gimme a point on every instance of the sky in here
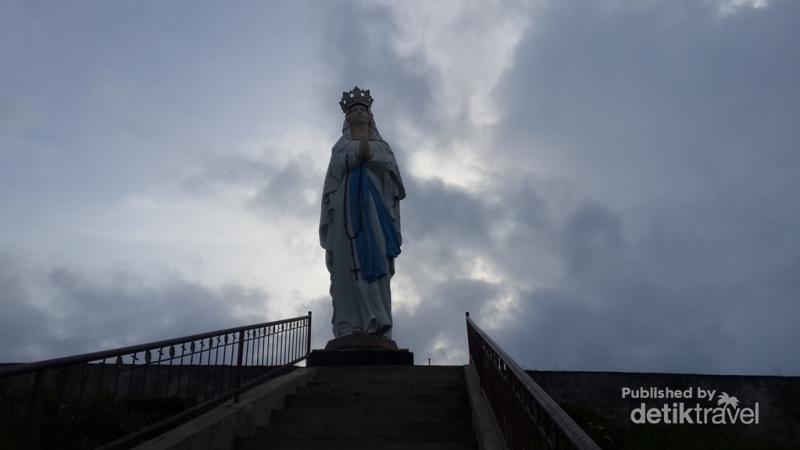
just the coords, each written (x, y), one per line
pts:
(606, 185)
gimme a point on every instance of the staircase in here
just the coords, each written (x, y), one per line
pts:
(373, 407)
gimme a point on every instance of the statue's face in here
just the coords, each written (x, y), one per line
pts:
(358, 114)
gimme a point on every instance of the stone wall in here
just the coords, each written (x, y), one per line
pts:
(594, 400)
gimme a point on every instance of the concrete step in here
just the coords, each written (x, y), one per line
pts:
(376, 408)
(389, 379)
(417, 414)
(310, 430)
(391, 373)
(376, 378)
(393, 369)
(380, 388)
(375, 401)
(363, 439)
(258, 444)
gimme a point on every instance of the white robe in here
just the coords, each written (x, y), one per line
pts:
(358, 307)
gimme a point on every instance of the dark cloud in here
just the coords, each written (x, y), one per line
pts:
(357, 42)
(436, 328)
(285, 189)
(667, 100)
(673, 126)
(641, 213)
(593, 243)
(274, 187)
(643, 307)
(434, 210)
(57, 311)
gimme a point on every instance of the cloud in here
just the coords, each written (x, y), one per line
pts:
(18, 116)
(57, 311)
(432, 69)
(664, 303)
(728, 7)
(436, 329)
(603, 186)
(262, 184)
(669, 133)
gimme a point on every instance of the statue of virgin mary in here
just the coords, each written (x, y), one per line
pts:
(359, 226)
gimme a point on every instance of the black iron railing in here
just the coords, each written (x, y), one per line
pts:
(118, 398)
(527, 417)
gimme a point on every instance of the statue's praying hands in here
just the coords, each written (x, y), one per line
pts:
(364, 153)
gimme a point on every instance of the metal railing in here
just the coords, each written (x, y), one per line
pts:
(527, 417)
(121, 397)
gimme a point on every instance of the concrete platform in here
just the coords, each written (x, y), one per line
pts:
(361, 342)
(351, 357)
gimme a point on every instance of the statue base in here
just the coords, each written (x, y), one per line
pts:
(361, 342)
(360, 350)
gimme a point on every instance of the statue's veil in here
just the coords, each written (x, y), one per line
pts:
(374, 134)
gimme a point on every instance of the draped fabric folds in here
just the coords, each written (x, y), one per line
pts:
(361, 234)
(362, 190)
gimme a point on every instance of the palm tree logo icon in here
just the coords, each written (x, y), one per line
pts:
(727, 400)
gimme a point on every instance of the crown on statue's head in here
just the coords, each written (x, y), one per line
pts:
(356, 96)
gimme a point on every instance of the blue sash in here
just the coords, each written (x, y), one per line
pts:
(361, 188)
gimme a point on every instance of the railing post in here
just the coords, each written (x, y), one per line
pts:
(308, 335)
(239, 367)
(33, 429)
(469, 349)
